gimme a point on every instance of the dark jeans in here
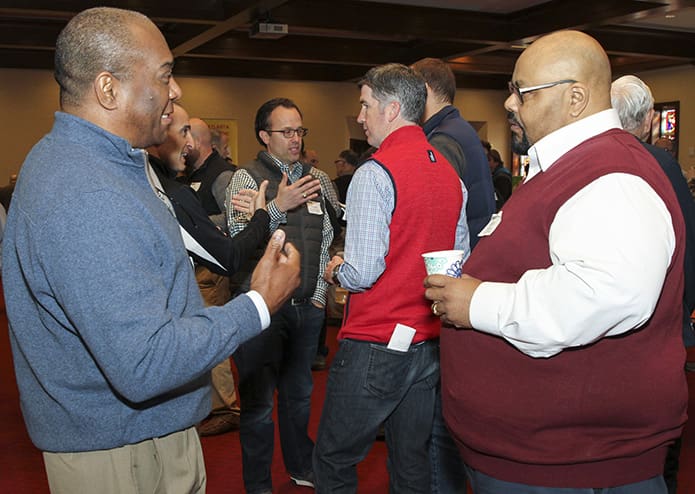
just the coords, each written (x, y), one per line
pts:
(368, 385)
(280, 357)
(448, 472)
(484, 484)
(672, 465)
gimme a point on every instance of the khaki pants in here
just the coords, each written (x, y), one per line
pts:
(171, 464)
(215, 291)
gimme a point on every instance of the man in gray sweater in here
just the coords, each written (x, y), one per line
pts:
(112, 344)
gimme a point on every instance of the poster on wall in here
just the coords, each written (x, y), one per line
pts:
(665, 126)
(228, 128)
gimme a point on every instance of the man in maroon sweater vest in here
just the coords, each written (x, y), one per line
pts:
(572, 378)
(405, 200)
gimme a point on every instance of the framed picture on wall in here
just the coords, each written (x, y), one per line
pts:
(229, 128)
(666, 126)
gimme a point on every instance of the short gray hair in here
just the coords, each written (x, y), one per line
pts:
(633, 99)
(95, 40)
(397, 82)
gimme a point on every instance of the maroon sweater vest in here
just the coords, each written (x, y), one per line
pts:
(428, 201)
(596, 416)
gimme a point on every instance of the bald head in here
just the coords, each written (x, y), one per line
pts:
(96, 40)
(203, 142)
(562, 78)
(571, 55)
(178, 144)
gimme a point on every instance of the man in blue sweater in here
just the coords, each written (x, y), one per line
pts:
(112, 344)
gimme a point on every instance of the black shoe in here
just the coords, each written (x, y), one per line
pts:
(319, 363)
(381, 435)
(690, 366)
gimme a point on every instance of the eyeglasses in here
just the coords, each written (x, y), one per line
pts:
(289, 133)
(520, 91)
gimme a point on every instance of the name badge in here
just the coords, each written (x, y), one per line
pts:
(494, 222)
(314, 207)
(401, 338)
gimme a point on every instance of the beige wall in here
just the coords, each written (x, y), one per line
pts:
(29, 99)
(487, 106)
(677, 85)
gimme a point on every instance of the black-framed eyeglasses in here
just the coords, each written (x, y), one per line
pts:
(520, 91)
(289, 133)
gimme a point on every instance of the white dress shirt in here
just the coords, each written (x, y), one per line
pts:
(610, 246)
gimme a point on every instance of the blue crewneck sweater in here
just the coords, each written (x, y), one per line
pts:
(111, 342)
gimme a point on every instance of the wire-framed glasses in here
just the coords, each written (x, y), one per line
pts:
(289, 133)
(520, 91)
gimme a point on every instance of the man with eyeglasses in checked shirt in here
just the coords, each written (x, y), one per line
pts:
(282, 358)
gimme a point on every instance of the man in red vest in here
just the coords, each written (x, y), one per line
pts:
(572, 378)
(405, 200)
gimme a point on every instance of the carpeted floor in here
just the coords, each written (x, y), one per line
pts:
(21, 466)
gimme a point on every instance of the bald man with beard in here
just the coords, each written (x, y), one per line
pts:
(564, 335)
(209, 173)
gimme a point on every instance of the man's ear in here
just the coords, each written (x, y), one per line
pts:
(393, 109)
(579, 99)
(646, 131)
(265, 137)
(106, 88)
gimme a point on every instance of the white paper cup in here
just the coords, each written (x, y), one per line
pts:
(448, 262)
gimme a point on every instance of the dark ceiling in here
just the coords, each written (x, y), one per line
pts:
(339, 40)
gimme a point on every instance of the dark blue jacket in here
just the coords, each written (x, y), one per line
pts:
(685, 200)
(475, 171)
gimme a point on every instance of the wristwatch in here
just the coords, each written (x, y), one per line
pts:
(334, 275)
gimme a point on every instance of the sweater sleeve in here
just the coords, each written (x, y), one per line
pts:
(124, 286)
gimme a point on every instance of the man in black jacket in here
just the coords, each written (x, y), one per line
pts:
(220, 253)
(210, 247)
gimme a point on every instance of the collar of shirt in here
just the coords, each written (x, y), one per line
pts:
(86, 133)
(293, 170)
(552, 147)
(435, 120)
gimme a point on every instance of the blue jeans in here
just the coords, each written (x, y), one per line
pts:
(448, 471)
(280, 357)
(368, 385)
(484, 484)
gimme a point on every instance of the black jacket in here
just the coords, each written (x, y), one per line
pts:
(230, 252)
(685, 200)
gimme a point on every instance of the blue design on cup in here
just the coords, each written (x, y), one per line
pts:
(455, 270)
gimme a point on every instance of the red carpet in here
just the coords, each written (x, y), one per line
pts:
(223, 453)
(21, 465)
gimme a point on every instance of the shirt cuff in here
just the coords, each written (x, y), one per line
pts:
(319, 295)
(262, 309)
(275, 213)
(484, 310)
